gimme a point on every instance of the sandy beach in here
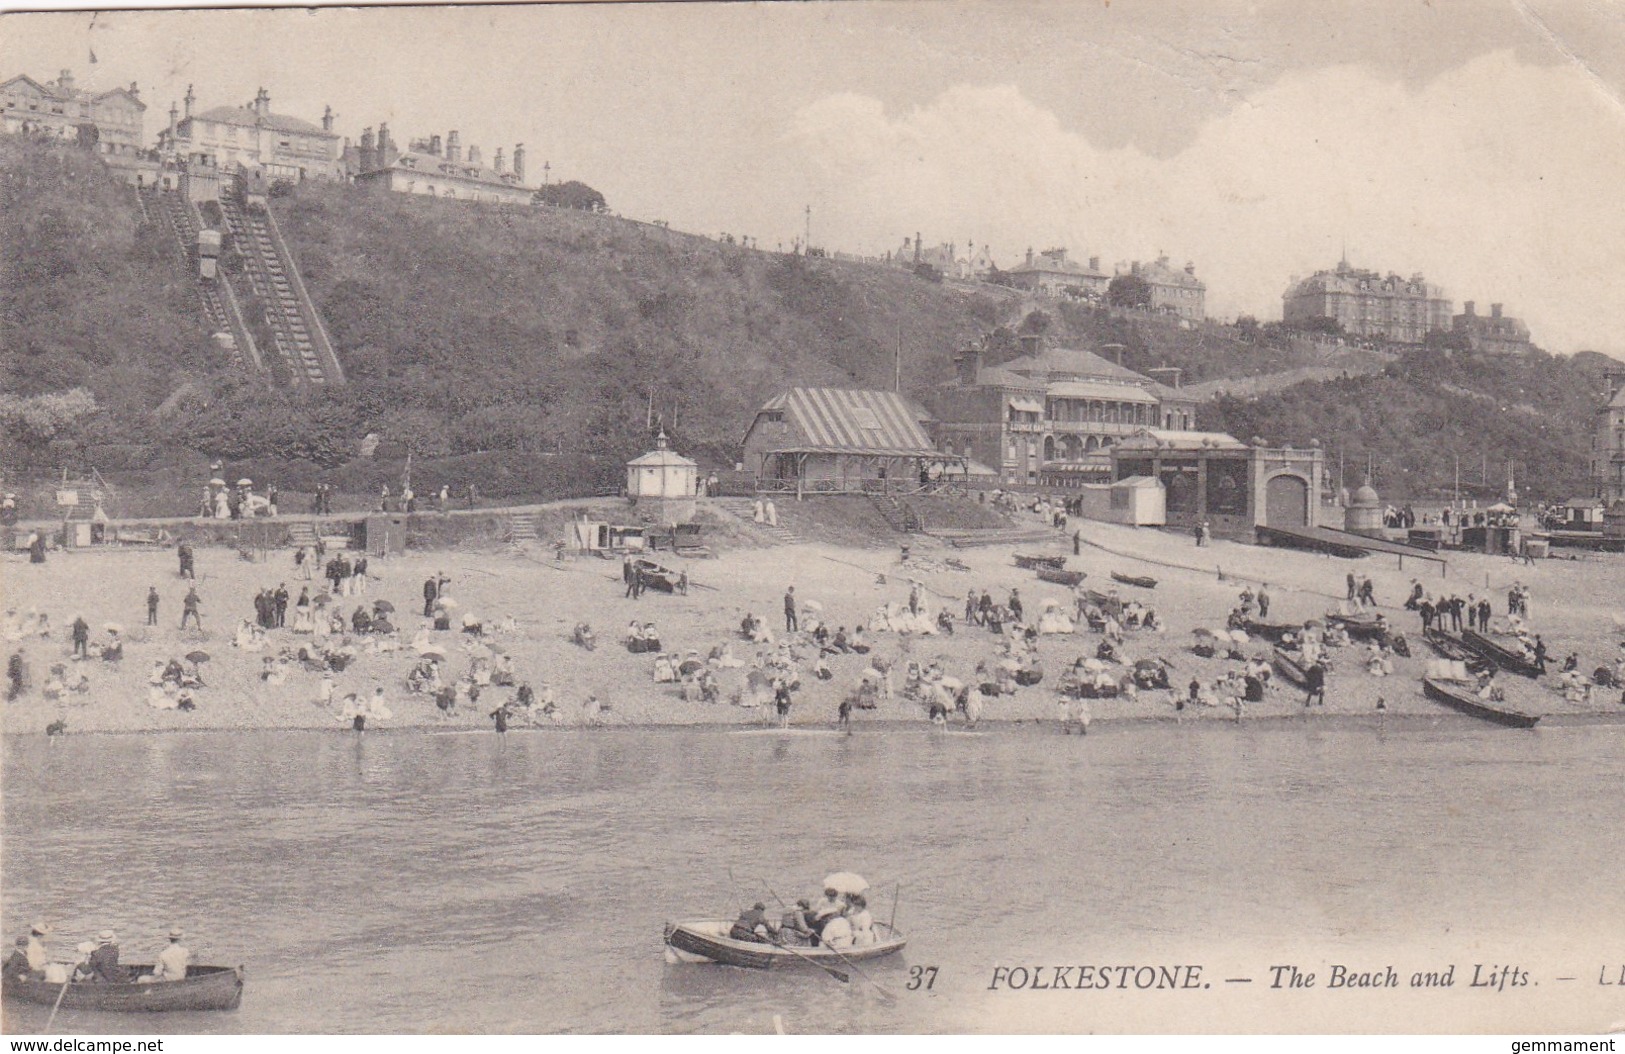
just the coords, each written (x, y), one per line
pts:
(1574, 606)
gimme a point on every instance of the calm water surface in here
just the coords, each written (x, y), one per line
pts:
(411, 881)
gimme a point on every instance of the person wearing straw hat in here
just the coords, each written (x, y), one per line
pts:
(103, 963)
(34, 945)
(172, 961)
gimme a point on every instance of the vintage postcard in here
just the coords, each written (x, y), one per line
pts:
(862, 518)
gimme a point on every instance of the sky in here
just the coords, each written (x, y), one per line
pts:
(1479, 142)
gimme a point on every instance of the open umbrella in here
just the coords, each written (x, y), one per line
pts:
(433, 653)
(812, 605)
(496, 649)
(383, 626)
(217, 482)
(321, 600)
(953, 684)
(113, 627)
(245, 482)
(196, 657)
(846, 882)
(446, 602)
(383, 605)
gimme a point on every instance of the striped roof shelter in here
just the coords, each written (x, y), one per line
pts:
(848, 421)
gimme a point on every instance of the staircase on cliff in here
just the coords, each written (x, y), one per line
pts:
(902, 516)
(304, 355)
(745, 509)
(219, 304)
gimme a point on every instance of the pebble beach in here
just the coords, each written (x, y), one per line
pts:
(530, 601)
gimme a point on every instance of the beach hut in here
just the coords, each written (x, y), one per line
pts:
(663, 483)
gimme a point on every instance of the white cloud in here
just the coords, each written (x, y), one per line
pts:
(1496, 179)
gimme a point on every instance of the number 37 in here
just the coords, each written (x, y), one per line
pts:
(921, 977)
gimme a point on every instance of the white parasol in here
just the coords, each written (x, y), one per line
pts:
(813, 605)
(846, 882)
(245, 482)
(217, 482)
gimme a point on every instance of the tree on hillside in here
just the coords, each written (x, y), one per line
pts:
(572, 194)
(1129, 290)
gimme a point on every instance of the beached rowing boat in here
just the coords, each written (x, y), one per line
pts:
(1292, 668)
(1364, 626)
(1143, 581)
(1270, 631)
(1504, 656)
(707, 940)
(1461, 697)
(1033, 563)
(1454, 648)
(1059, 577)
(205, 988)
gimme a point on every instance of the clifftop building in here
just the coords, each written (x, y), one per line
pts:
(1498, 333)
(110, 122)
(973, 263)
(1174, 291)
(273, 146)
(1051, 273)
(1366, 304)
(430, 169)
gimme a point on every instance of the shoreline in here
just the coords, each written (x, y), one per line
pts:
(885, 725)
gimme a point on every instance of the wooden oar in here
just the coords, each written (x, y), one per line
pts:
(832, 971)
(58, 1004)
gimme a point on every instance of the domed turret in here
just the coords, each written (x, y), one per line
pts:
(1364, 515)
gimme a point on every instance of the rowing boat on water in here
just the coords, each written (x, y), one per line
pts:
(1032, 563)
(205, 988)
(1506, 657)
(1060, 577)
(1461, 697)
(1142, 581)
(707, 940)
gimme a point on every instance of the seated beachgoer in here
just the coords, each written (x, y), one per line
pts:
(651, 637)
(472, 624)
(837, 933)
(664, 673)
(796, 923)
(863, 923)
(361, 620)
(859, 642)
(583, 636)
(831, 906)
(752, 925)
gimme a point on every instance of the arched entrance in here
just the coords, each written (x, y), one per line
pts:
(1286, 502)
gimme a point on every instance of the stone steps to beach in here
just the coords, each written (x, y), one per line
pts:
(744, 510)
(522, 529)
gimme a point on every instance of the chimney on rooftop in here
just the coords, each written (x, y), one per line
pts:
(1168, 375)
(384, 145)
(262, 103)
(368, 160)
(474, 155)
(327, 119)
(1190, 268)
(454, 146)
(916, 247)
(434, 145)
(519, 162)
(1467, 309)
(135, 92)
(1495, 310)
(190, 98)
(65, 82)
(1094, 263)
(497, 162)
(1032, 343)
(969, 363)
(174, 118)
